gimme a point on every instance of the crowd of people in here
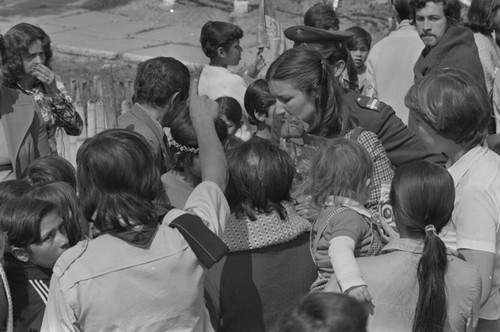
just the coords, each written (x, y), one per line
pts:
(339, 187)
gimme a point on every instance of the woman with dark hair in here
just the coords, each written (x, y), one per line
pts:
(139, 274)
(260, 105)
(418, 284)
(314, 105)
(481, 20)
(269, 266)
(27, 69)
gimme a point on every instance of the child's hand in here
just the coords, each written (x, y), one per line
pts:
(293, 127)
(360, 293)
(256, 66)
(387, 232)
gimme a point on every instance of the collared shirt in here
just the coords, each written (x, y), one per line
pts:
(392, 281)
(476, 216)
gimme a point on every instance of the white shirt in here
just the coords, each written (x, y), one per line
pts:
(476, 214)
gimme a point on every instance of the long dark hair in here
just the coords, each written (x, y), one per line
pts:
(309, 72)
(423, 195)
(118, 181)
(481, 16)
(17, 41)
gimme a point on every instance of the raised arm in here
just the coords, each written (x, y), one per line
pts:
(203, 112)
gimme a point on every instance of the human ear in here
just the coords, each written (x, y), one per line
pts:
(339, 68)
(368, 182)
(221, 53)
(20, 254)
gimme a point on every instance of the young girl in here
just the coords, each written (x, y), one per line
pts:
(359, 47)
(339, 181)
(183, 147)
(260, 105)
(230, 113)
(63, 196)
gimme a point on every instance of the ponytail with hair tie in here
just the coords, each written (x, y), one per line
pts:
(430, 229)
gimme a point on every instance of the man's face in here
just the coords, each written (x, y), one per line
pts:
(431, 23)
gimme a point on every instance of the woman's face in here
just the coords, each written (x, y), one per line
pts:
(35, 55)
(291, 101)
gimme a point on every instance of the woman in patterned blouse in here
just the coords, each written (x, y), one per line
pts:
(27, 69)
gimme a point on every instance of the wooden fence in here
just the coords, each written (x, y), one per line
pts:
(99, 101)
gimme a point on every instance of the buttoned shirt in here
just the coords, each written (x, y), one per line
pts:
(476, 214)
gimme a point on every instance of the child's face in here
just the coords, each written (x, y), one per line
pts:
(52, 244)
(231, 126)
(232, 55)
(359, 56)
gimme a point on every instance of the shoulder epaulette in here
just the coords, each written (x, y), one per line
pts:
(368, 102)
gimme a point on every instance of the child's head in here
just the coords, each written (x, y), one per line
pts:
(63, 196)
(220, 42)
(260, 178)
(35, 232)
(422, 193)
(359, 45)
(183, 144)
(13, 189)
(230, 112)
(321, 16)
(326, 312)
(341, 168)
(50, 169)
(260, 103)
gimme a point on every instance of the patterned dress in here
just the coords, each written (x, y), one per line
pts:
(57, 111)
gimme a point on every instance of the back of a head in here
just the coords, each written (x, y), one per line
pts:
(258, 99)
(260, 178)
(159, 79)
(50, 169)
(326, 312)
(20, 220)
(230, 108)
(422, 193)
(340, 168)
(63, 196)
(117, 179)
(423, 196)
(322, 16)
(453, 104)
(403, 9)
(215, 34)
(13, 189)
(452, 9)
(482, 16)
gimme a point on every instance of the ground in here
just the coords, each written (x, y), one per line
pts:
(373, 15)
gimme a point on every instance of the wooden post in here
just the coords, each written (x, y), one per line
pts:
(110, 95)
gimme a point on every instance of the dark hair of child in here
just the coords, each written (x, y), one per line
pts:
(20, 220)
(321, 16)
(326, 312)
(13, 189)
(258, 99)
(260, 178)
(50, 169)
(215, 34)
(63, 196)
(423, 195)
(231, 109)
(361, 39)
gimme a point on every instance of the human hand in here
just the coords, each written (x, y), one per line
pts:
(45, 75)
(201, 107)
(387, 232)
(256, 66)
(360, 293)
